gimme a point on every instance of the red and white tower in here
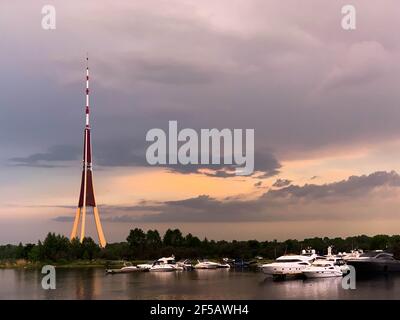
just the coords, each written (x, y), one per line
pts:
(86, 197)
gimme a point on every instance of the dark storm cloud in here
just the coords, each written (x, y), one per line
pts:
(286, 204)
(170, 72)
(354, 186)
(282, 183)
(51, 158)
(160, 65)
(127, 153)
(64, 219)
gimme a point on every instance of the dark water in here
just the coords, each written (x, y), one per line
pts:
(199, 284)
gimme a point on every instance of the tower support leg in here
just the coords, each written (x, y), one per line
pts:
(76, 223)
(100, 233)
(83, 223)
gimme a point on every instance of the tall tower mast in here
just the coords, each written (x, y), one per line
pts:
(86, 196)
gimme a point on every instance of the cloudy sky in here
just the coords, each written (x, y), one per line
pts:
(324, 103)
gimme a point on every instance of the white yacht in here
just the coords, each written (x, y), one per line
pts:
(205, 264)
(224, 265)
(354, 254)
(129, 268)
(323, 268)
(165, 264)
(289, 265)
(145, 266)
(185, 264)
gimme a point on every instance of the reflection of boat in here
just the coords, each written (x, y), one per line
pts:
(322, 268)
(290, 265)
(165, 265)
(376, 261)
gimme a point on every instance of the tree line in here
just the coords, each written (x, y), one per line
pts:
(140, 245)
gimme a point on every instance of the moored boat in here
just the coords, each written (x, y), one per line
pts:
(322, 268)
(165, 265)
(289, 265)
(205, 264)
(376, 261)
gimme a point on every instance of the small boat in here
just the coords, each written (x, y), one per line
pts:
(185, 264)
(322, 268)
(165, 265)
(240, 263)
(145, 266)
(125, 269)
(354, 254)
(376, 261)
(223, 266)
(157, 267)
(205, 264)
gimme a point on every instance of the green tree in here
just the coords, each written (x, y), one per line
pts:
(90, 249)
(55, 247)
(136, 242)
(153, 239)
(173, 238)
(136, 238)
(191, 241)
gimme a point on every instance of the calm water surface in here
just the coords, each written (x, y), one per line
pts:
(198, 284)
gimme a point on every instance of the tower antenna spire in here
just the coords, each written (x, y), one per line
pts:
(87, 92)
(86, 197)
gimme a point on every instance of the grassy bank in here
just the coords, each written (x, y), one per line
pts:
(25, 264)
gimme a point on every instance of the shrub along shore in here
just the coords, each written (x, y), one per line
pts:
(142, 246)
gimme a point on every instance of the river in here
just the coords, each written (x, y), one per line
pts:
(93, 283)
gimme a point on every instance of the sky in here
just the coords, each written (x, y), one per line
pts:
(324, 103)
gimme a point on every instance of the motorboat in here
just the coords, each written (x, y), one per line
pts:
(337, 260)
(165, 265)
(125, 269)
(129, 268)
(185, 264)
(354, 254)
(224, 265)
(205, 264)
(322, 268)
(376, 261)
(158, 267)
(289, 265)
(240, 263)
(145, 266)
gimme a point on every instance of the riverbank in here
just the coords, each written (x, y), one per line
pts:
(25, 264)
(98, 263)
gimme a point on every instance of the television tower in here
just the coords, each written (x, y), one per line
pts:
(86, 197)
